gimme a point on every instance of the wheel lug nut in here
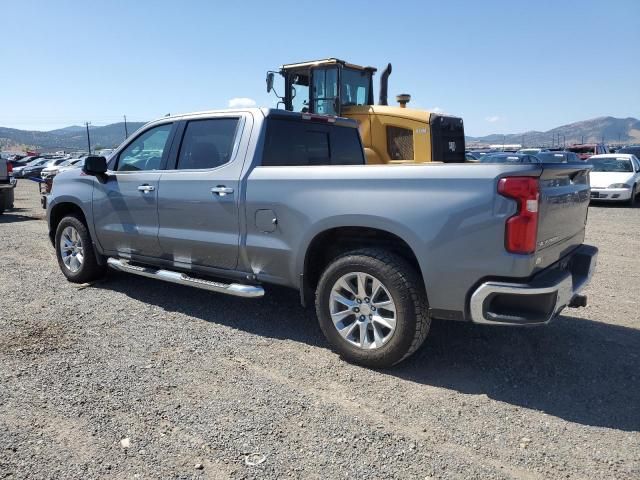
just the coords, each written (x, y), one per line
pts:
(362, 317)
(359, 301)
(366, 300)
(356, 309)
(373, 309)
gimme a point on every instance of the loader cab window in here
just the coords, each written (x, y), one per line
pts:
(324, 90)
(299, 92)
(355, 87)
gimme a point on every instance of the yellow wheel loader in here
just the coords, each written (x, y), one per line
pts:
(390, 134)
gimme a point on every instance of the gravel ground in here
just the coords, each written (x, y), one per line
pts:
(136, 378)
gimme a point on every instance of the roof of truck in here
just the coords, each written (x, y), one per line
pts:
(267, 112)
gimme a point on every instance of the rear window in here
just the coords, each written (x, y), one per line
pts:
(301, 143)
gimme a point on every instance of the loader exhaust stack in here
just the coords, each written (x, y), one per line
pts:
(384, 85)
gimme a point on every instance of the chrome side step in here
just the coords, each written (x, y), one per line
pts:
(236, 289)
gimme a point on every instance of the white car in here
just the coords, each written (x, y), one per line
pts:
(615, 177)
(53, 170)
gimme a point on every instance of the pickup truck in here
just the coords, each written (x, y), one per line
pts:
(229, 201)
(7, 184)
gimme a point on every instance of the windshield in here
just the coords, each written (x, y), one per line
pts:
(355, 87)
(37, 161)
(549, 157)
(611, 165)
(501, 158)
(582, 149)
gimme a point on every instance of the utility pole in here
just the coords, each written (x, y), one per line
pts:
(126, 133)
(582, 139)
(88, 137)
(522, 141)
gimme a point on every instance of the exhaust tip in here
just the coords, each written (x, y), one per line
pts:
(403, 99)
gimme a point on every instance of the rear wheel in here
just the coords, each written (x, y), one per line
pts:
(632, 200)
(75, 253)
(372, 307)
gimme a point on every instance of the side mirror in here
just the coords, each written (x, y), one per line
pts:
(269, 81)
(95, 165)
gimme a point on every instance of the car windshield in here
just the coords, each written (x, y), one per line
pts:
(502, 158)
(67, 162)
(611, 164)
(37, 161)
(550, 157)
(581, 149)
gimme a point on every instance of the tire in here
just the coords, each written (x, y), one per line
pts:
(632, 200)
(400, 283)
(85, 267)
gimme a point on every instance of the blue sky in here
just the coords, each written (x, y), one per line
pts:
(504, 66)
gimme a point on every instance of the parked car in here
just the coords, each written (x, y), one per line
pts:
(471, 157)
(53, 170)
(630, 149)
(254, 197)
(18, 171)
(508, 158)
(34, 171)
(7, 185)
(615, 177)
(532, 151)
(558, 157)
(586, 150)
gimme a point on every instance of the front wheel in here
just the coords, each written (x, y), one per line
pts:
(75, 253)
(372, 307)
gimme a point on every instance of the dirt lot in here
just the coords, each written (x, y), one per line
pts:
(193, 383)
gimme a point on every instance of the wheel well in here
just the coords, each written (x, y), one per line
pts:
(59, 212)
(329, 244)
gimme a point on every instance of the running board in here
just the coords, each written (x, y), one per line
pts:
(236, 289)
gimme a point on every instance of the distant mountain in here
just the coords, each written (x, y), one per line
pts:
(611, 129)
(68, 138)
(65, 130)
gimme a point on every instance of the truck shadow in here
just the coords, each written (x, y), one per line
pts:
(582, 371)
(13, 216)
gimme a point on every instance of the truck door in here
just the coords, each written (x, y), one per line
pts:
(199, 200)
(125, 207)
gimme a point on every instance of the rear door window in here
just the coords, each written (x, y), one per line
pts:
(207, 143)
(298, 143)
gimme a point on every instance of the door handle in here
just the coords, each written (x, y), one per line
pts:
(146, 188)
(221, 190)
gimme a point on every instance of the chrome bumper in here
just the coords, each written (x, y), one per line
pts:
(537, 302)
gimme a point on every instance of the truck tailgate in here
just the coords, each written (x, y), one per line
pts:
(563, 205)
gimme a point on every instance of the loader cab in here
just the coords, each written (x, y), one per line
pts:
(326, 86)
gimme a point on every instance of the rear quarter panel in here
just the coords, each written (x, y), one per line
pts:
(450, 216)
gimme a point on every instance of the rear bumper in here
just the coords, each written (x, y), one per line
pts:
(610, 194)
(9, 184)
(536, 302)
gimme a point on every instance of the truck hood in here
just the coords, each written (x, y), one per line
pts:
(604, 179)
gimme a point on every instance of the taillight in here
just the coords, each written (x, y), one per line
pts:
(9, 167)
(521, 229)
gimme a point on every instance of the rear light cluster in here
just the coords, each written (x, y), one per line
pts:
(9, 167)
(521, 230)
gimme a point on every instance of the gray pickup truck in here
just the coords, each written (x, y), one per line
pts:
(228, 201)
(7, 184)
